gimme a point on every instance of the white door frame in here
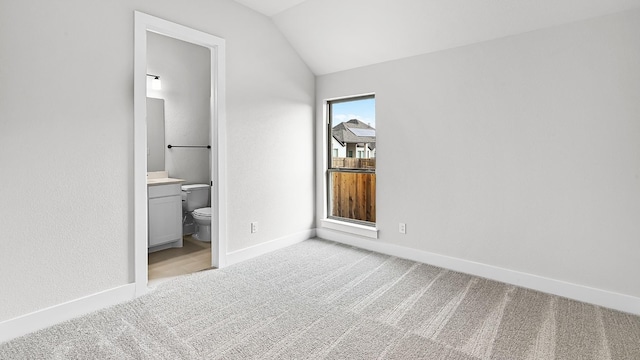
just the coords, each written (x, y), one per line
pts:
(143, 24)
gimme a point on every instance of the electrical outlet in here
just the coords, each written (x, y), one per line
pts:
(402, 228)
(254, 227)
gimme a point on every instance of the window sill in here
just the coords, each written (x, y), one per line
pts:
(355, 229)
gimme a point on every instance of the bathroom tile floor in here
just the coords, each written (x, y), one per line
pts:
(193, 256)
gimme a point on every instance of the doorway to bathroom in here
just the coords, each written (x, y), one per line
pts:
(193, 147)
(179, 145)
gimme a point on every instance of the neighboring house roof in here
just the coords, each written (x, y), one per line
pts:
(354, 131)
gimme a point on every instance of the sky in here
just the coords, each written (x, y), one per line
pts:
(363, 110)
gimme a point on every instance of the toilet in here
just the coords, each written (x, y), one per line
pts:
(195, 198)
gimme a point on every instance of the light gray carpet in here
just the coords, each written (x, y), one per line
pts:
(322, 300)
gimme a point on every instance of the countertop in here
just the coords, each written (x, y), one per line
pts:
(164, 181)
(161, 178)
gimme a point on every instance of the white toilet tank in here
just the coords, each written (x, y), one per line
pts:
(196, 196)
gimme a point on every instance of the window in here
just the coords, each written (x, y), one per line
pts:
(352, 180)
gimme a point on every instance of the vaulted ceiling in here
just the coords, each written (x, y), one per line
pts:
(336, 35)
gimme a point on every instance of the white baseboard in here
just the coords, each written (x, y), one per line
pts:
(267, 247)
(43, 318)
(622, 302)
(22, 325)
(40, 319)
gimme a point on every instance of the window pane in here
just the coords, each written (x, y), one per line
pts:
(353, 134)
(353, 195)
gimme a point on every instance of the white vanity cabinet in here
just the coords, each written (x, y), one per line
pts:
(165, 214)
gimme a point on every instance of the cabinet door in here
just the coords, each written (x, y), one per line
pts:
(165, 220)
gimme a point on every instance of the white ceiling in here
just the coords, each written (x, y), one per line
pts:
(270, 7)
(336, 35)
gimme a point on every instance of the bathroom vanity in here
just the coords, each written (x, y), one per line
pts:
(165, 212)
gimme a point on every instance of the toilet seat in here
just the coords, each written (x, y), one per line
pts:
(202, 212)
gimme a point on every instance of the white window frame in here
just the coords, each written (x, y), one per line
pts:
(349, 228)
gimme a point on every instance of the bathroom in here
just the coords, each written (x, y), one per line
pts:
(178, 115)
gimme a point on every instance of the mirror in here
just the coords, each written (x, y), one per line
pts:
(155, 134)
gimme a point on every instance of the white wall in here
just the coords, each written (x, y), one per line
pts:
(335, 145)
(66, 167)
(185, 72)
(521, 153)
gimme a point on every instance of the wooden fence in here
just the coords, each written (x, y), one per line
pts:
(353, 163)
(354, 195)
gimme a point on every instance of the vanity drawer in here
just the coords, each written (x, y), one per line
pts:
(156, 191)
